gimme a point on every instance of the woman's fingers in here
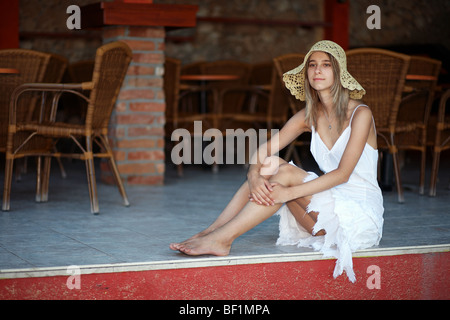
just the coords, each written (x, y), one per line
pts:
(262, 196)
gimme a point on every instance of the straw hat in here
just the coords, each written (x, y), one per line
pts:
(295, 78)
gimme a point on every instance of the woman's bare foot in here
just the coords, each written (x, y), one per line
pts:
(321, 232)
(176, 245)
(204, 245)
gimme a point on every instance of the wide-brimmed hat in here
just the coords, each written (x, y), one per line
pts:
(295, 78)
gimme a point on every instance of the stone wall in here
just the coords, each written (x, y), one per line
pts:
(247, 42)
(46, 17)
(402, 22)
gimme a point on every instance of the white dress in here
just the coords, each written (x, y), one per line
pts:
(350, 213)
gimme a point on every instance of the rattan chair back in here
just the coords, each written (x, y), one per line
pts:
(382, 73)
(31, 66)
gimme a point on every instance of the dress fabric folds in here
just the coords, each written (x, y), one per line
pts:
(351, 213)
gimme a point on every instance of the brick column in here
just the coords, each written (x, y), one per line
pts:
(137, 124)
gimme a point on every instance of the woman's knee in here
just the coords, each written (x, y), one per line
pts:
(271, 166)
(289, 174)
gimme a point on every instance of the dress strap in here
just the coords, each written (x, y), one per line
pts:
(353, 113)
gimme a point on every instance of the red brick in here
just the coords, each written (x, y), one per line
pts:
(148, 57)
(140, 45)
(136, 168)
(115, 132)
(119, 155)
(129, 94)
(121, 107)
(140, 70)
(161, 46)
(146, 32)
(160, 120)
(113, 32)
(145, 131)
(147, 106)
(160, 168)
(160, 143)
(159, 94)
(135, 119)
(138, 143)
(146, 155)
(145, 82)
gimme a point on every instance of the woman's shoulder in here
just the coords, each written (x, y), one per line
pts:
(358, 109)
(357, 106)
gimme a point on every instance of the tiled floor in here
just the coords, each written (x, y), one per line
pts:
(63, 232)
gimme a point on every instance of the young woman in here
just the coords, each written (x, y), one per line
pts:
(338, 212)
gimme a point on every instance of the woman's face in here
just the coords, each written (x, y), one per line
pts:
(320, 71)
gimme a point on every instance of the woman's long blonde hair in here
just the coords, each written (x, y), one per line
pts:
(339, 93)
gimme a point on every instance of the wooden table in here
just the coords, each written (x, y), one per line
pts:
(416, 77)
(208, 77)
(8, 70)
(420, 77)
(204, 79)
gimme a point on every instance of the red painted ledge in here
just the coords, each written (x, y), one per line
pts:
(421, 276)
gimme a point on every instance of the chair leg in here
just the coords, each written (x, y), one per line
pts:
(61, 168)
(38, 179)
(45, 179)
(398, 182)
(7, 186)
(90, 171)
(115, 171)
(422, 172)
(119, 182)
(434, 172)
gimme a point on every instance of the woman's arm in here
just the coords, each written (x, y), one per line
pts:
(360, 128)
(260, 166)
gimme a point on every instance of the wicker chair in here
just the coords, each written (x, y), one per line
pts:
(414, 111)
(32, 66)
(260, 75)
(382, 74)
(281, 96)
(190, 103)
(111, 65)
(279, 101)
(442, 139)
(230, 104)
(180, 112)
(81, 71)
(53, 74)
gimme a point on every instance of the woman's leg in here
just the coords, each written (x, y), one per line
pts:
(306, 220)
(239, 200)
(236, 204)
(218, 242)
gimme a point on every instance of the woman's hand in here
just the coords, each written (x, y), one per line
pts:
(280, 194)
(260, 190)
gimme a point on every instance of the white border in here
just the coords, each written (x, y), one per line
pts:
(194, 262)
